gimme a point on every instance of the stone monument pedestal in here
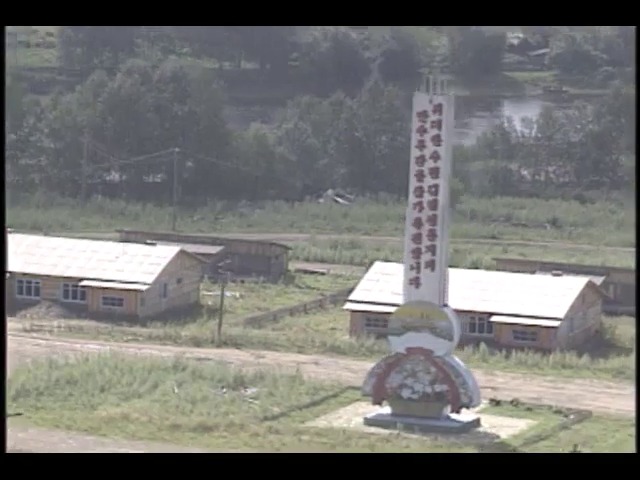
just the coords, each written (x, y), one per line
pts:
(449, 423)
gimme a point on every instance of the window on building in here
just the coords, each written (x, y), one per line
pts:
(525, 336)
(178, 280)
(71, 292)
(479, 325)
(27, 288)
(377, 323)
(164, 290)
(112, 302)
(142, 300)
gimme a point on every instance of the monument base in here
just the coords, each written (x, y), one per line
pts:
(451, 423)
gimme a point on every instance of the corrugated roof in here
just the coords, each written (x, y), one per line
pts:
(87, 259)
(533, 322)
(140, 287)
(195, 248)
(598, 280)
(369, 307)
(484, 291)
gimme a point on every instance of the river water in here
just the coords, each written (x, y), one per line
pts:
(475, 115)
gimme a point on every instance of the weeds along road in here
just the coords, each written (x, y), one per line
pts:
(599, 396)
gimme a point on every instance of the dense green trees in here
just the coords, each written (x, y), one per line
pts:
(122, 124)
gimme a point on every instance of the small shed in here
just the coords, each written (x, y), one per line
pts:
(240, 257)
(499, 308)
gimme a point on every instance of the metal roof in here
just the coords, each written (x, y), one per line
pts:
(140, 287)
(195, 248)
(533, 322)
(496, 292)
(369, 307)
(87, 259)
(598, 280)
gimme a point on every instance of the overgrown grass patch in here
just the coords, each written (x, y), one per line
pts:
(595, 434)
(184, 402)
(326, 332)
(463, 253)
(245, 299)
(608, 222)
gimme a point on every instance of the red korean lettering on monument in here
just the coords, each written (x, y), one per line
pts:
(420, 160)
(418, 191)
(416, 253)
(432, 205)
(422, 130)
(420, 175)
(436, 140)
(430, 264)
(434, 173)
(431, 249)
(415, 281)
(435, 156)
(421, 144)
(432, 235)
(416, 238)
(418, 206)
(437, 109)
(422, 116)
(432, 220)
(417, 223)
(416, 267)
(436, 124)
(433, 190)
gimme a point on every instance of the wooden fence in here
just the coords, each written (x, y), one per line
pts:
(301, 308)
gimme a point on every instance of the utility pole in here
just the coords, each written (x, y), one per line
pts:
(175, 189)
(223, 286)
(83, 180)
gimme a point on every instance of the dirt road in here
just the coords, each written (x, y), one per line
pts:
(599, 396)
(27, 439)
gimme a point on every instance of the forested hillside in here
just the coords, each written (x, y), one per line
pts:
(139, 112)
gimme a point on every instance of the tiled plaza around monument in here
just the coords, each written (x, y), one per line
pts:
(493, 427)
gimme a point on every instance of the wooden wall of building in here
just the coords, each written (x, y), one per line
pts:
(182, 276)
(502, 333)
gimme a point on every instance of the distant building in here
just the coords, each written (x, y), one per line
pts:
(238, 257)
(619, 283)
(499, 308)
(101, 277)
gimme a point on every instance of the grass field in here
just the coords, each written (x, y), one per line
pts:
(214, 406)
(247, 299)
(326, 332)
(610, 223)
(597, 434)
(182, 402)
(463, 253)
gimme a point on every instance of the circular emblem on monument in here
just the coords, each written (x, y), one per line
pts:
(426, 325)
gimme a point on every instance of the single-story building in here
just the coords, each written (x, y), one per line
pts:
(619, 283)
(102, 277)
(239, 257)
(499, 308)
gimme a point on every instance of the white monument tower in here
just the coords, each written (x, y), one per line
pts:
(425, 385)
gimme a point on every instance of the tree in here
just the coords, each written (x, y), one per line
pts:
(401, 57)
(331, 59)
(87, 47)
(573, 55)
(270, 46)
(472, 51)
